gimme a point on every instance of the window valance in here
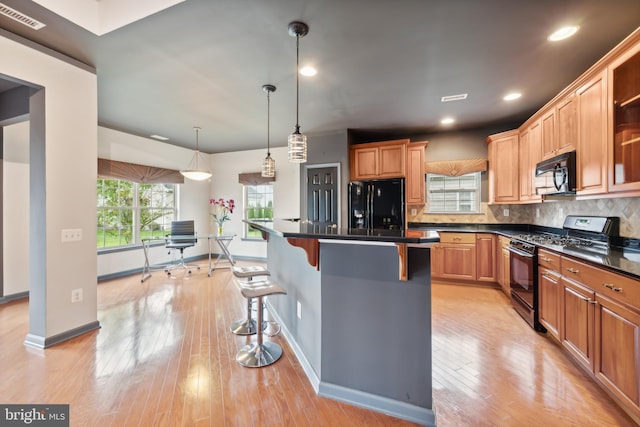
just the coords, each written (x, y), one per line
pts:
(456, 167)
(254, 178)
(112, 169)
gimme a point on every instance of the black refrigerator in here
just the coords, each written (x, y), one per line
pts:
(376, 204)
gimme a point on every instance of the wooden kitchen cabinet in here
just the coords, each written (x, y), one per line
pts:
(624, 131)
(617, 334)
(577, 324)
(600, 327)
(378, 160)
(559, 127)
(530, 154)
(504, 171)
(456, 256)
(486, 257)
(415, 191)
(549, 291)
(592, 136)
(504, 266)
(566, 125)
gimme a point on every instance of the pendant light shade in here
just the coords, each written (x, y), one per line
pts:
(268, 164)
(193, 170)
(297, 144)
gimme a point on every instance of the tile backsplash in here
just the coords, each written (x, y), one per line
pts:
(549, 213)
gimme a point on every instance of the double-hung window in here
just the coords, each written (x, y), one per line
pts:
(257, 207)
(453, 194)
(129, 211)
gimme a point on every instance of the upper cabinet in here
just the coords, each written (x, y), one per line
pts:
(559, 127)
(592, 136)
(415, 194)
(378, 160)
(598, 116)
(504, 180)
(624, 98)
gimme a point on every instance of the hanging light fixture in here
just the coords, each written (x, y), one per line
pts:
(268, 164)
(194, 172)
(297, 147)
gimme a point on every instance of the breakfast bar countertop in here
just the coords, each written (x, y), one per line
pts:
(304, 229)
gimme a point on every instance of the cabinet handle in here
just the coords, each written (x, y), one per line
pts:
(572, 270)
(546, 259)
(545, 274)
(613, 288)
(457, 238)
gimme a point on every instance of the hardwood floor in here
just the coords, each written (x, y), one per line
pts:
(165, 357)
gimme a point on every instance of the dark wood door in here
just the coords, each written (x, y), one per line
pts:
(322, 197)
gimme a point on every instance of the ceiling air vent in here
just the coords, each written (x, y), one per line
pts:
(20, 17)
(459, 97)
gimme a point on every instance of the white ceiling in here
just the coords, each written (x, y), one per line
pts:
(382, 65)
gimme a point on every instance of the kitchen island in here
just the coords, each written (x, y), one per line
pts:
(357, 312)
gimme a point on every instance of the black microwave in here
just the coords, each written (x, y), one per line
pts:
(557, 175)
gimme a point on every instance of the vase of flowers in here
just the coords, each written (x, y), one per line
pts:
(221, 211)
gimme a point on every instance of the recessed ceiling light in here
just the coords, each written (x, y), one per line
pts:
(447, 120)
(511, 96)
(160, 137)
(563, 33)
(308, 71)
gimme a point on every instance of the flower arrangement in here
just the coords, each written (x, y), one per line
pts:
(221, 211)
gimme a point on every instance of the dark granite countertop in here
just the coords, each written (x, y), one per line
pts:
(624, 258)
(302, 229)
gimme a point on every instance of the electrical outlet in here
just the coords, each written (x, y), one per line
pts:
(299, 309)
(537, 212)
(71, 235)
(505, 212)
(76, 295)
(414, 211)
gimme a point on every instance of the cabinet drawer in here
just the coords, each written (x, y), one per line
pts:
(621, 288)
(458, 238)
(550, 260)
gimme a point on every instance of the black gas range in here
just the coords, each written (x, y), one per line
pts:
(584, 234)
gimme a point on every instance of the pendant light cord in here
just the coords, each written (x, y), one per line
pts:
(297, 81)
(268, 120)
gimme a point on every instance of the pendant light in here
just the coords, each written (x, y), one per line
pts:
(297, 147)
(268, 164)
(193, 171)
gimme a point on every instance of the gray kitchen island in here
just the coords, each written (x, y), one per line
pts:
(357, 312)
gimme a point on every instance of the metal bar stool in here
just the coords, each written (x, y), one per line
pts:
(260, 353)
(247, 326)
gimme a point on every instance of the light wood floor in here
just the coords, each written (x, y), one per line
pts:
(165, 357)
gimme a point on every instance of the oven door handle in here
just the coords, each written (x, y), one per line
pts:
(519, 252)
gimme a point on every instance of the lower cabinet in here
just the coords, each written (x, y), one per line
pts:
(504, 265)
(455, 256)
(595, 314)
(577, 321)
(549, 291)
(617, 335)
(465, 257)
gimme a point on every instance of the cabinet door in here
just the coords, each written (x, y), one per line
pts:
(592, 137)
(485, 257)
(506, 272)
(364, 163)
(415, 174)
(459, 261)
(524, 170)
(504, 169)
(549, 139)
(577, 321)
(437, 260)
(624, 130)
(549, 300)
(566, 124)
(618, 349)
(392, 160)
(535, 156)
